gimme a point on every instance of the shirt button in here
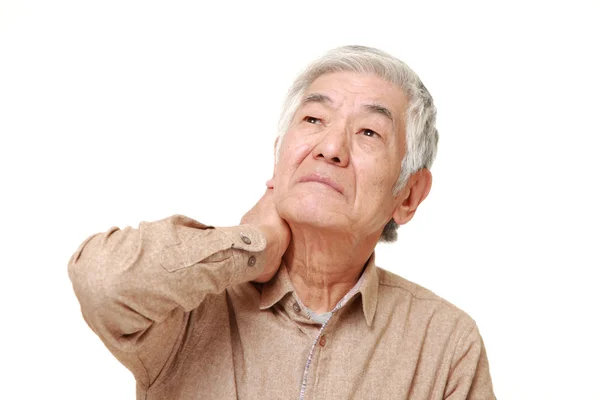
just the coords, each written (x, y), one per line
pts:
(296, 307)
(251, 261)
(323, 341)
(246, 239)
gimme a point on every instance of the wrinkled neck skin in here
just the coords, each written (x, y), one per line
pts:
(324, 265)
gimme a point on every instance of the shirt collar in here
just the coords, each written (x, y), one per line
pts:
(369, 290)
(274, 290)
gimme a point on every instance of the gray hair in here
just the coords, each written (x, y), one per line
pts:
(421, 133)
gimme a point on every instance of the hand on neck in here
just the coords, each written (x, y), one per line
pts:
(323, 266)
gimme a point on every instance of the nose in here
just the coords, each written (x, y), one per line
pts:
(333, 147)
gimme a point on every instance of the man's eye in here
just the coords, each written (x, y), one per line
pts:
(370, 133)
(312, 120)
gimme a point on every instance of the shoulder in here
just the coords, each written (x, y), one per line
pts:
(404, 286)
(406, 296)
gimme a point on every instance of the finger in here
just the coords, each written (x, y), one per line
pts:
(270, 184)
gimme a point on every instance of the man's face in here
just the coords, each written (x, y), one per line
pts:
(342, 154)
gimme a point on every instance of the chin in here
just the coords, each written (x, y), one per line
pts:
(314, 211)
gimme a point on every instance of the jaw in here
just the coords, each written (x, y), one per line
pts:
(321, 216)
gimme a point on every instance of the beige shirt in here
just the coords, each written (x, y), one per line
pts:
(174, 302)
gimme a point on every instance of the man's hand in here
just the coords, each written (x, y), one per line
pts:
(276, 230)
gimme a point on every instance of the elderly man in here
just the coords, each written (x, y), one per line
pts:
(290, 303)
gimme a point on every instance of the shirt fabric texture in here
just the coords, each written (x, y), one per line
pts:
(174, 302)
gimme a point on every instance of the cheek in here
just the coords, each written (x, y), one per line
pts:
(375, 180)
(292, 153)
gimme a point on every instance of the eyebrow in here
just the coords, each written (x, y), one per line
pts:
(316, 98)
(379, 109)
(373, 108)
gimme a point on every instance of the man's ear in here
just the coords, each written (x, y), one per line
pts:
(414, 192)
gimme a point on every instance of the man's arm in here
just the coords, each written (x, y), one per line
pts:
(470, 373)
(137, 287)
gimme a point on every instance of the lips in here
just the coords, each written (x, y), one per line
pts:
(314, 177)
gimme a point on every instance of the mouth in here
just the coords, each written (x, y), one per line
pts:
(314, 177)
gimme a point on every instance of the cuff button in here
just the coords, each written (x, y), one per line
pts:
(251, 261)
(246, 239)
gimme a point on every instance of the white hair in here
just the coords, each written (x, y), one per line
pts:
(421, 133)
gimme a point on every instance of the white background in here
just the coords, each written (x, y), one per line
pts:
(115, 112)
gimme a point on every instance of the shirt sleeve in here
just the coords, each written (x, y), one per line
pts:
(470, 373)
(136, 287)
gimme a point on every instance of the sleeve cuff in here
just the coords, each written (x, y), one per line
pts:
(247, 246)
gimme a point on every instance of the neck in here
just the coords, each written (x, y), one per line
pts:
(324, 266)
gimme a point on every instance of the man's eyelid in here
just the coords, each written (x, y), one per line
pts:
(313, 109)
(376, 123)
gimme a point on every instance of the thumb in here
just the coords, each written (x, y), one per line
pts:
(270, 183)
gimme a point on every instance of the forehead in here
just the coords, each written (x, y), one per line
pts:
(355, 90)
